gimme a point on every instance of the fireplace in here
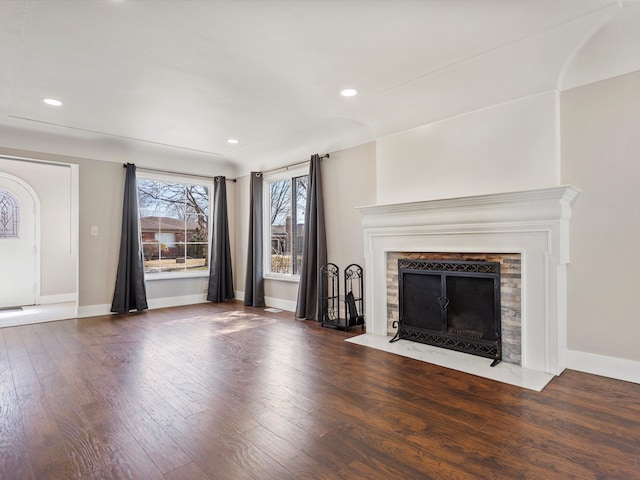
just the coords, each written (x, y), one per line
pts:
(533, 224)
(510, 293)
(451, 304)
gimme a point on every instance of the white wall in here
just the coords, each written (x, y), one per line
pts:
(348, 181)
(610, 52)
(101, 193)
(349, 178)
(100, 198)
(600, 151)
(503, 148)
(514, 144)
(586, 136)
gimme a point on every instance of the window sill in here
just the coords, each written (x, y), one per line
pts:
(172, 276)
(282, 278)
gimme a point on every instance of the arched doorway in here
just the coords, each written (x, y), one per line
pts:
(19, 242)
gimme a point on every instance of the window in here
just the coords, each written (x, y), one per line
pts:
(174, 222)
(285, 203)
(9, 216)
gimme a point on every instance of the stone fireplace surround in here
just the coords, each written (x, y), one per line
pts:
(532, 223)
(510, 282)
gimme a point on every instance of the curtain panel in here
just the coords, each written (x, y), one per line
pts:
(314, 250)
(130, 291)
(254, 282)
(220, 273)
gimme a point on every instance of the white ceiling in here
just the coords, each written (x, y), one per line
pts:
(181, 77)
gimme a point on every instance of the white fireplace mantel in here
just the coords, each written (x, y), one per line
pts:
(534, 223)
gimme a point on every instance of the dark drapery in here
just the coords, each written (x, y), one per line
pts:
(220, 274)
(130, 292)
(314, 249)
(254, 284)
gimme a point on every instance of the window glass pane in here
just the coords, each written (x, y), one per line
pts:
(147, 198)
(172, 201)
(200, 231)
(197, 255)
(174, 225)
(301, 187)
(280, 223)
(197, 199)
(166, 238)
(151, 254)
(9, 215)
(286, 199)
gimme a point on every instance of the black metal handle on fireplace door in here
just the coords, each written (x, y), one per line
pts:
(444, 302)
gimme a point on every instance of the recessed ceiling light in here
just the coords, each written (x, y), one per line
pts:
(349, 92)
(233, 141)
(52, 101)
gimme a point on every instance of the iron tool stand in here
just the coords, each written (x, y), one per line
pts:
(330, 297)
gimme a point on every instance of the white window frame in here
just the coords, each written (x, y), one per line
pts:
(185, 179)
(288, 174)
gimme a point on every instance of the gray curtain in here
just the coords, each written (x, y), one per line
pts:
(130, 292)
(254, 283)
(314, 249)
(220, 274)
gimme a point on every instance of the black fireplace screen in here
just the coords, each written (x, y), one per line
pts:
(451, 304)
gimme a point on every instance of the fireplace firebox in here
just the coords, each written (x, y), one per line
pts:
(451, 304)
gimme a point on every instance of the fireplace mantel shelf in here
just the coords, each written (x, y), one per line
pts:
(533, 223)
(515, 209)
(563, 194)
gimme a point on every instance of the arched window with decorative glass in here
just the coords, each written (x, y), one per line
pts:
(9, 215)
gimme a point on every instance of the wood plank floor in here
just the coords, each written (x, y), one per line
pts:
(220, 391)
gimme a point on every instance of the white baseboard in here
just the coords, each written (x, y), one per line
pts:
(94, 310)
(61, 298)
(288, 305)
(618, 368)
(176, 301)
(98, 310)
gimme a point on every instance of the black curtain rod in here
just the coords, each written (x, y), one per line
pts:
(286, 167)
(181, 173)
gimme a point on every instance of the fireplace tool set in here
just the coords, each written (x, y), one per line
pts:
(341, 311)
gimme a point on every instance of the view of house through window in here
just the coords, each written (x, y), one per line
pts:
(287, 202)
(174, 221)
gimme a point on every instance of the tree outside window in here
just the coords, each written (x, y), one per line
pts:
(287, 199)
(174, 221)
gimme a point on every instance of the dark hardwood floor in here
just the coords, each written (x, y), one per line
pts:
(223, 391)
